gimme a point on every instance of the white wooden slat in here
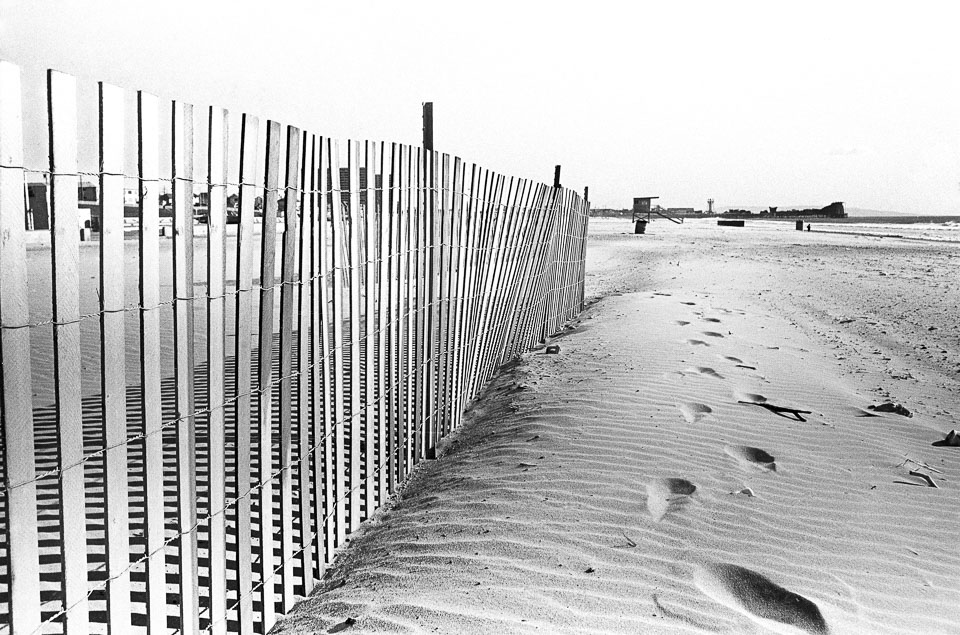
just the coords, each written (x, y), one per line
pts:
(335, 244)
(309, 493)
(65, 229)
(113, 359)
(23, 574)
(242, 354)
(288, 292)
(369, 256)
(218, 170)
(353, 277)
(148, 129)
(324, 362)
(182, 163)
(382, 225)
(268, 244)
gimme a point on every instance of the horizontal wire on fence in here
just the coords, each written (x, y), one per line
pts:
(257, 288)
(397, 321)
(477, 201)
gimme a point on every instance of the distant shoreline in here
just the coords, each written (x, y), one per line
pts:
(897, 220)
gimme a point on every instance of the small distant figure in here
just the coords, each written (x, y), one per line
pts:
(808, 226)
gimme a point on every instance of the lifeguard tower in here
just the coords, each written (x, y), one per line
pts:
(641, 213)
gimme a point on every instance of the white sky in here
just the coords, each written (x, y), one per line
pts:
(751, 103)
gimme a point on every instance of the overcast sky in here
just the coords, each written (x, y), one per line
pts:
(750, 103)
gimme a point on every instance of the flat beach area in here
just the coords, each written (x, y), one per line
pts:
(700, 456)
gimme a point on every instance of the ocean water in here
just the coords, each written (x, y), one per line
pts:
(947, 231)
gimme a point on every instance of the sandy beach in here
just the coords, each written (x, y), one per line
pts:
(700, 456)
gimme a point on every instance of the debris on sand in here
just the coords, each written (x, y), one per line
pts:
(553, 349)
(951, 440)
(894, 408)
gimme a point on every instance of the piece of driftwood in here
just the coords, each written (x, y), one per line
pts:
(926, 477)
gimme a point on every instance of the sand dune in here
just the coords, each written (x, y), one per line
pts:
(651, 478)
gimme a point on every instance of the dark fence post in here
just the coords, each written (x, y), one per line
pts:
(428, 126)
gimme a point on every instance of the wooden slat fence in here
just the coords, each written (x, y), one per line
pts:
(258, 382)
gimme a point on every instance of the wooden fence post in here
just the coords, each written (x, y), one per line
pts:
(428, 126)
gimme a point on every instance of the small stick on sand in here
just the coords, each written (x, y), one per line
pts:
(925, 477)
(919, 463)
(779, 410)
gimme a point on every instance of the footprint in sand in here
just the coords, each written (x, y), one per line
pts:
(689, 303)
(697, 343)
(708, 319)
(731, 358)
(709, 372)
(853, 411)
(712, 334)
(749, 396)
(693, 411)
(668, 494)
(682, 322)
(759, 598)
(752, 456)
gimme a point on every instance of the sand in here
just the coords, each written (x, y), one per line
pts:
(699, 457)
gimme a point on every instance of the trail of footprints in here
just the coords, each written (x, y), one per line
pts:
(741, 589)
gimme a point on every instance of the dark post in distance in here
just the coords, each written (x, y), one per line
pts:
(428, 125)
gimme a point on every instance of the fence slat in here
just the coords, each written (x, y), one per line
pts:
(432, 324)
(447, 276)
(268, 246)
(113, 358)
(288, 292)
(382, 231)
(23, 572)
(322, 370)
(242, 353)
(353, 277)
(218, 170)
(419, 396)
(181, 155)
(369, 311)
(305, 357)
(148, 129)
(390, 224)
(459, 230)
(404, 320)
(65, 230)
(336, 243)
